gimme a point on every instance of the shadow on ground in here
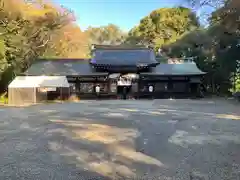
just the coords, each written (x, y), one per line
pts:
(120, 140)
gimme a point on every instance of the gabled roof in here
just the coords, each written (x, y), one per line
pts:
(123, 56)
(123, 47)
(176, 69)
(62, 67)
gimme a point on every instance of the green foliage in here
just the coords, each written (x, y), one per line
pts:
(216, 49)
(32, 30)
(224, 33)
(205, 3)
(105, 35)
(235, 84)
(109, 35)
(3, 98)
(163, 26)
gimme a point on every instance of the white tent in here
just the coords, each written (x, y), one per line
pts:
(31, 89)
(39, 81)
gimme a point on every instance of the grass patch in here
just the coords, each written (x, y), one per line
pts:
(3, 98)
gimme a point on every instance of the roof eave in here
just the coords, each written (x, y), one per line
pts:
(161, 74)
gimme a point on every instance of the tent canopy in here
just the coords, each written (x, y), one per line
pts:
(39, 81)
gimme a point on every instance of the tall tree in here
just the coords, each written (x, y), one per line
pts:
(163, 26)
(110, 34)
(204, 3)
(215, 47)
(32, 29)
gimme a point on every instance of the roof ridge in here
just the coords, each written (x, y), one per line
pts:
(62, 59)
(120, 47)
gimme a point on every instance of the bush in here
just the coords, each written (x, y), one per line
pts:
(4, 98)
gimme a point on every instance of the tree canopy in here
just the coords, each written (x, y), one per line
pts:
(108, 35)
(105, 35)
(215, 47)
(163, 26)
(32, 29)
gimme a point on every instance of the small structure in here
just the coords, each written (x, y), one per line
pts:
(26, 90)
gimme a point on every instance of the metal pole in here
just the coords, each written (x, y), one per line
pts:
(138, 88)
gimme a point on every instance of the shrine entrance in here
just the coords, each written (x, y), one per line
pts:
(123, 91)
(125, 85)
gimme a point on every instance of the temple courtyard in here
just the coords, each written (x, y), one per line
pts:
(117, 139)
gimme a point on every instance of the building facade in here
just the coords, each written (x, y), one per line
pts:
(123, 71)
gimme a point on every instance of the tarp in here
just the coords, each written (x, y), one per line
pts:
(39, 81)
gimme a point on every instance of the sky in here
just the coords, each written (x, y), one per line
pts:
(123, 13)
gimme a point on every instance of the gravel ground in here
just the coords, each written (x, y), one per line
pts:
(159, 139)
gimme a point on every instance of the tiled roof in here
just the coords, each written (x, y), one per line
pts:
(123, 47)
(62, 67)
(176, 69)
(124, 57)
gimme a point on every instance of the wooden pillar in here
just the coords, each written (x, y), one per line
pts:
(109, 86)
(69, 92)
(138, 88)
(198, 90)
(35, 95)
(187, 85)
(169, 87)
(61, 93)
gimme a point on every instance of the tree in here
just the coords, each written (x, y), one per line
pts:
(104, 35)
(110, 34)
(204, 3)
(228, 16)
(215, 47)
(33, 29)
(163, 26)
(226, 12)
